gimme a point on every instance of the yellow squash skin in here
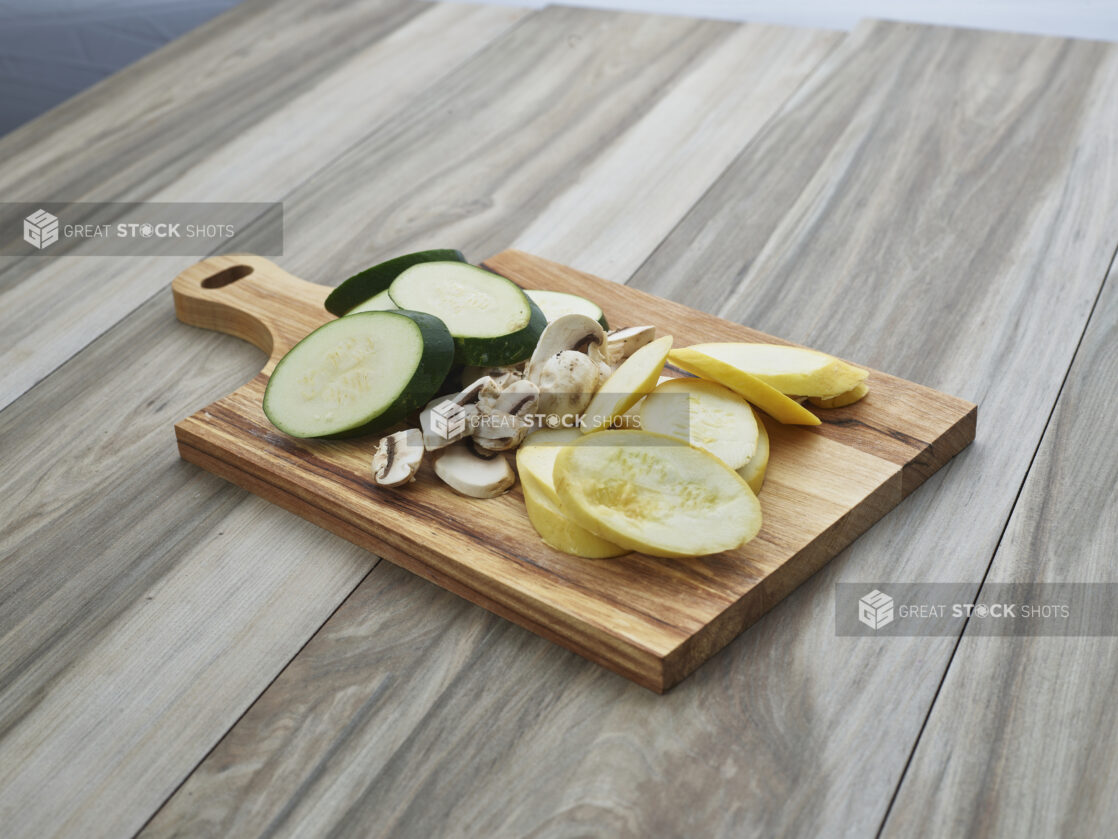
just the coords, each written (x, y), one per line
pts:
(753, 473)
(796, 371)
(841, 400)
(636, 376)
(559, 531)
(535, 463)
(767, 398)
(535, 458)
(653, 494)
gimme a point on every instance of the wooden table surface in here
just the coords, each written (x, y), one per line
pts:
(179, 658)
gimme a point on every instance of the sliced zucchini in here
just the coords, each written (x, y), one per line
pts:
(555, 304)
(491, 319)
(377, 303)
(359, 374)
(704, 414)
(372, 281)
(655, 494)
(753, 473)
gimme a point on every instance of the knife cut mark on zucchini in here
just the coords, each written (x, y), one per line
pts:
(492, 321)
(359, 374)
(366, 284)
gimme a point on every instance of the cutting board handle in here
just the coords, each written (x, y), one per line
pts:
(250, 298)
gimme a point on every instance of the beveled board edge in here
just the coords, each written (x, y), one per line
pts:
(623, 658)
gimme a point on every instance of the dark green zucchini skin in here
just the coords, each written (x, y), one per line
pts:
(506, 349)
(360, 287)
(434, 364)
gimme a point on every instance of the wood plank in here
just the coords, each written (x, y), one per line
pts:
(163, 131)
(509, 133)
(760, 741)
(58, 603)
(644, 182)
(650, 620)
(1023, 738)
(120, 620)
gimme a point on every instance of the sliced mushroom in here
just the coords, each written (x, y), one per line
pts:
(466, 473)
(622, 343)
(568, 381)
(518, 398)
(398, 457)
(574, 333)
(503, 376)
(498, 432)
(435, 434)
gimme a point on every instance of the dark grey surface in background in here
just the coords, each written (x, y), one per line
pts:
(53, 49)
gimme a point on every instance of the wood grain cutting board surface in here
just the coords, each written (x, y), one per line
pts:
(653, 620)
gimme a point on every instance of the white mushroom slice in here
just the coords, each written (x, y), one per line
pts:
(568, 381)
(484, 454)
(498, 431)
(466, 473)
(440, 432)
(577, 333)
(503, 376)
(518, 398)
(398, 457)
(622, 343)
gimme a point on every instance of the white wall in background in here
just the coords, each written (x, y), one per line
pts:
(1097, 19)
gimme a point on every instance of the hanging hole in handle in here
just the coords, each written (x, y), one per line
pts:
(227, 277)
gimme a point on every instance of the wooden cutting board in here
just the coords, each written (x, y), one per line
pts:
(652, 620)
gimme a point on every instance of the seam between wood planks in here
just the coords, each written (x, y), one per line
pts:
(997, 547)
(186, 777)
(777, 112)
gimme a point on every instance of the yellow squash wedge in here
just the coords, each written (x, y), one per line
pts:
(706, 415)
(635, 377)
(795, 371)
(841, 400)
(654, 494)
(764, 396)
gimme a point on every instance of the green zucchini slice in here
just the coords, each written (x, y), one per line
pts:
(491, 319)
(555, 304)
(359, 374)
(377, 303)
(372, 281)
